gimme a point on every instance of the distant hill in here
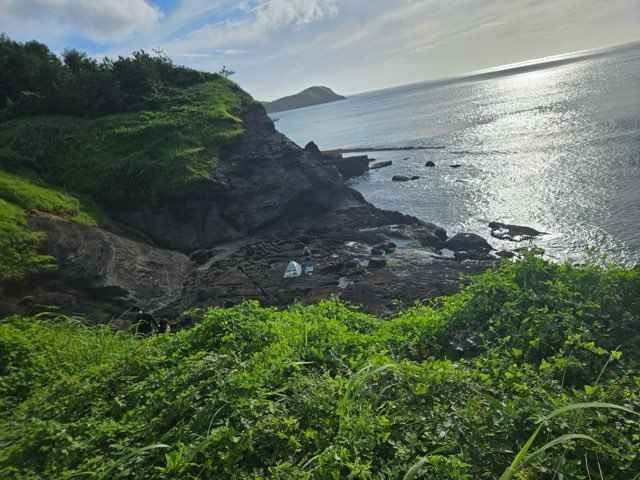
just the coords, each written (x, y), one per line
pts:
(306, 98)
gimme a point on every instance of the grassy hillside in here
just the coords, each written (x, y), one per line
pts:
(19, 245)
(325, 392)
(133, 156)
(129, 130)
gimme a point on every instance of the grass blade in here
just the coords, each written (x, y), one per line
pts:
(588, 405)
(520, 457)
(560, 440)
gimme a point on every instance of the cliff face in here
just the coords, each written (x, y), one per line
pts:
(260, 179)
(141, 260)
(230, 236)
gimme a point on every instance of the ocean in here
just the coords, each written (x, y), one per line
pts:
(551, 146)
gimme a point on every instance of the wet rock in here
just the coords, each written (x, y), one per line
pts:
(468, 242)
(377, 262)
(505, 254)
(424, 234)
(404, 178)
(351, 167)
(386, 248)
(456, 166)
(430, 164)
(378, 165)
(513, 233)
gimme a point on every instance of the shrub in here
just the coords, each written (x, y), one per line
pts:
(325, 391)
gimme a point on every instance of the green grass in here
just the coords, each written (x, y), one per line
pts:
(19, 245)
(327, 392)
(32, 197)
(168, 148)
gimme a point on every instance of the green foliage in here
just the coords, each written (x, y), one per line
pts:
(327, 392)
(120, 131)
(35, 81)
(19, 245)
(131, 156)
(33, 197)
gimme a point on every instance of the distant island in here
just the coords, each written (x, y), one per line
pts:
(306, 98)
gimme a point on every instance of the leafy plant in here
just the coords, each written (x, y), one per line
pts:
(328, 392)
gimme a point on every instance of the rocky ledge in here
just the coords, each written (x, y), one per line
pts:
(270, 203)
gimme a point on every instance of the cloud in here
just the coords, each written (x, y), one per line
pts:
(97, 20)
(280, 46)
(277, 13)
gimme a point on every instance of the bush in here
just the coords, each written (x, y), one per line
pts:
(35, 81)
(19, 246)
(325, 391)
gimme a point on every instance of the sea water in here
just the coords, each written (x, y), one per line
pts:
(556, 148)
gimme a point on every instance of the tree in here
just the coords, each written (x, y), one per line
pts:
(225, 72)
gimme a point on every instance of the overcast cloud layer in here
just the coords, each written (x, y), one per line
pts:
(280, 46)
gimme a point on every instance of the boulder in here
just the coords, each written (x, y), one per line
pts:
(105, 273)
(312, 148)
(387, 247)
(468, 242)
(430, 164)
(351, 167)
(404, 178)
(426, 235)
(378, 165)
(514, 233)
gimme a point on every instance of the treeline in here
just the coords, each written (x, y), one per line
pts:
(33, 80)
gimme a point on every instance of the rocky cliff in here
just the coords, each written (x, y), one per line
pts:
(230, 236)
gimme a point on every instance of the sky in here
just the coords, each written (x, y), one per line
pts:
(278, 47)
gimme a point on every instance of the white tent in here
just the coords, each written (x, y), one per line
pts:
(294, 270)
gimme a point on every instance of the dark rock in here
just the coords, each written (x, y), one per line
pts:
(387, 247)
(105, 273)
(430, 235)
(505, 254)
(260, 178)
(514, 233)
(468, 242)
(266, 201)
(404, 178)
(200, 256)
(351, 167)
(424, 234)
(312, 148)
(430, 164)
(378, 165)
(378, 252)
(377, 262)
(456, 166)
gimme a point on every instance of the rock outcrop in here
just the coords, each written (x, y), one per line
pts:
(513, 233)
(231, 238)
